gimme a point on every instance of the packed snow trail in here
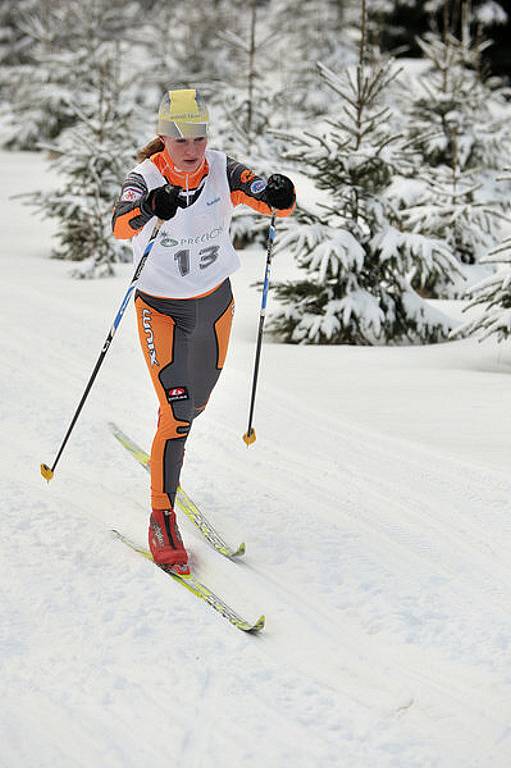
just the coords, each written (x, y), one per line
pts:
(375, 506)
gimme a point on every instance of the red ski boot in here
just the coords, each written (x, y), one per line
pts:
(165, 541)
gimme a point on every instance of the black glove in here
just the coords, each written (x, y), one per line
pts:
(280, 191)
(162, 202)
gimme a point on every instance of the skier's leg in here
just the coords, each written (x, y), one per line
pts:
(184, 343)
(210, 343)
(165, 340)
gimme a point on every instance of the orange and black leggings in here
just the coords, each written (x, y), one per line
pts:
(184, 343)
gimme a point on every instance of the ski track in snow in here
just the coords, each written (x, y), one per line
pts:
(381, 562)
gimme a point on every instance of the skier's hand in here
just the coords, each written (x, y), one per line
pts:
(162, 201)
(280, 191)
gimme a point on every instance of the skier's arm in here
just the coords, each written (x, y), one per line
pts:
(130, 214)
(249, 189)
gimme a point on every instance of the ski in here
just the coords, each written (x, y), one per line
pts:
(198, 589)
(184, 502)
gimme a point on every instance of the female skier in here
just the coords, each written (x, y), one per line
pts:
(184, 301)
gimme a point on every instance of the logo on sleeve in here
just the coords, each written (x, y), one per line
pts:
(247, 176)
(131, 194)
(258, 186)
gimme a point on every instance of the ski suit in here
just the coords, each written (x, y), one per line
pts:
(184, 301)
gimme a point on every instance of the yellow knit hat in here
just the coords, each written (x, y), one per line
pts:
(183, 114)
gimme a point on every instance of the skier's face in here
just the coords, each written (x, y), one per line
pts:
(186, 154)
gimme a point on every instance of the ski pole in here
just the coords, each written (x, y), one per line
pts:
(46, 471)
(250, 436)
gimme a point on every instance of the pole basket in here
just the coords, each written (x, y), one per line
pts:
(249, 437)
(46, 472)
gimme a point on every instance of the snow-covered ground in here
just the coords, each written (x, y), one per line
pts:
(376, 509)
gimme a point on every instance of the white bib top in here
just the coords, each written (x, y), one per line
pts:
(193, 251)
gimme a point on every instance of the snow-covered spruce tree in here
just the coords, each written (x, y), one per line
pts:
(358, 258)
(92, 158)
(406, 20)
(38, 105)
(458, 122)
(307, 32)
(14, 43)
(64, 35)
(246, 99)
(493, 294)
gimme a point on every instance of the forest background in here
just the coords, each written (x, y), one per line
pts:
(392, 116)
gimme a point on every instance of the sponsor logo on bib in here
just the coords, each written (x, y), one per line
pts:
(169, 242)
